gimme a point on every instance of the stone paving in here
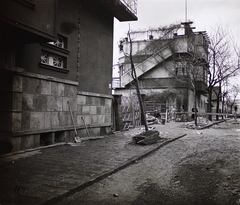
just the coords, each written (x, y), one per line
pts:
(46, 175)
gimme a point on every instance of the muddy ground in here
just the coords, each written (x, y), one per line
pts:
(202, 168)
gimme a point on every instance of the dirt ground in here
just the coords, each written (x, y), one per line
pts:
(202, 168)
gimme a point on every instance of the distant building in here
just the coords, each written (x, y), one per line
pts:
(162, 61)
(236, 107)
(51, 53)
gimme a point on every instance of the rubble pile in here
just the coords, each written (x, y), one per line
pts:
(201, 122)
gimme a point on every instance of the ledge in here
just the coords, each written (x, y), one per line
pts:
(55, 48)
(27, 3)
(94, 94)
(32, 132)
(11, 69)
(50, 78)
(49, 67)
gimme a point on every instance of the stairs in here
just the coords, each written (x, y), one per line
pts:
(148, 64)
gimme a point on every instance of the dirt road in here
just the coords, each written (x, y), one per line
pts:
(203, 168)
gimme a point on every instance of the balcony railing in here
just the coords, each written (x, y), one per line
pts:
(131, 4)
(115, 82)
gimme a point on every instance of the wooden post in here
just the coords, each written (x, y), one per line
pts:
(118, 125)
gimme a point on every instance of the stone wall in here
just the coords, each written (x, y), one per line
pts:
(95, 111)
(41, 113)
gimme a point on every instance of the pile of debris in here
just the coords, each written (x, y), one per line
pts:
(148, 137)
(154, 120)
(201, 122)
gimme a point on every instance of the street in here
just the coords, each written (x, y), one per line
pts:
(200, 168)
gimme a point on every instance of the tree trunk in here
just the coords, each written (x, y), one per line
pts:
(135, 78)
(217, 108)
(223, 105)
(195, 107)
(139, 97)
(210, 103)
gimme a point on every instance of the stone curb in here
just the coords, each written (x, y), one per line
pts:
(32, 149)
(105, 175)
(39, 148)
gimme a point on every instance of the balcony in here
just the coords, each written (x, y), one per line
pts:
(115, 82)
(123, 10)
(131, 5)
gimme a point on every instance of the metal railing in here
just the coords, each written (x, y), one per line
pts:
(131, 4)
(116, 82)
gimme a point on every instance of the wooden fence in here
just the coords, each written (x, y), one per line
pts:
(184, 116)
(131, 114)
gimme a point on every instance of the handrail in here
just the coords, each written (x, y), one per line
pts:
(154, 55)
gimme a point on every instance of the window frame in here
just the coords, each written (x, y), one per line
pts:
(54, 51)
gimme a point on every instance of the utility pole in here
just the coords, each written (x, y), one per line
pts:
(185, 10)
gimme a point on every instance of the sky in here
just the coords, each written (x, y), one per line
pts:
(205, 15)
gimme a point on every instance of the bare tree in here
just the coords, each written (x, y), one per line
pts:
(135, 78)
(231, 96)
(223, 61)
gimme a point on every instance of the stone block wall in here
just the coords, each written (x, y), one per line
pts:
(93, 109)
(44, 103)
(41, 113)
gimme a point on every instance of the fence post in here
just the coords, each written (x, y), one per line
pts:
(117, 112)
(166, 115)
(144, 105)
(132, 108)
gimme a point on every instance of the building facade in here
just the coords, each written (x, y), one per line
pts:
(55, 56)
(171, 60)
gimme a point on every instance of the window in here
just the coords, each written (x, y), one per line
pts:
(44, 58)
(183, 70)
(54, 55)
(52, 60)
(60, 42)
(180, 68)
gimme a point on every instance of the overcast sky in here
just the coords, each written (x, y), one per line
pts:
(205, 15)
